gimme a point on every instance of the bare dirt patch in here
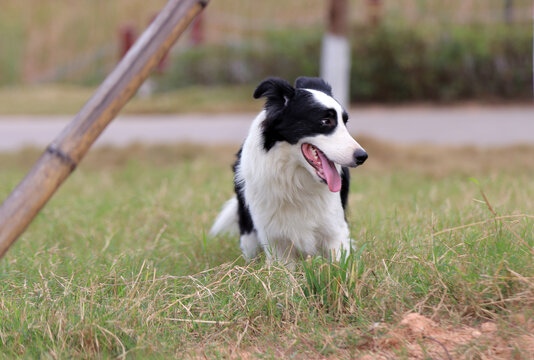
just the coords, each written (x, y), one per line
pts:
(418, 337)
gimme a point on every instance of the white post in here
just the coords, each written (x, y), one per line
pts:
(335, 66)
(335, 52)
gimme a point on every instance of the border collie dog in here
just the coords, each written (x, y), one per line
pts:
(291, 177)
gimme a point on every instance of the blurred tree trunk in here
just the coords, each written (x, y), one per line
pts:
(335, 52)
(374, 12)
(337, 17)
(508, 11)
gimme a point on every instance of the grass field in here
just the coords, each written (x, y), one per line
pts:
(118, 263)
(68, 100)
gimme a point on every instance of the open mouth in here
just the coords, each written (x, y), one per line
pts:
(323, 166)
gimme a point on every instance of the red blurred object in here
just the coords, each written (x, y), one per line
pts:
(197, 30)
(127, 37)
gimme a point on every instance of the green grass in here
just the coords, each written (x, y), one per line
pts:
(69, 99)
(118, 263)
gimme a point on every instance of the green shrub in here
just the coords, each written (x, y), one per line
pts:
(392, 62)
(395, 63)
(282, 54)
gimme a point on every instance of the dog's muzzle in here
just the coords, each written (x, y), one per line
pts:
(360, 156)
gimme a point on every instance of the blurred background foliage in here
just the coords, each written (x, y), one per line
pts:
(408, 50)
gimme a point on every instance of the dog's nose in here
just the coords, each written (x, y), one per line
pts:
(360, 156)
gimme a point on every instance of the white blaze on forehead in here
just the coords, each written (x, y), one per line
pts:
(328, 101)
(339, 146)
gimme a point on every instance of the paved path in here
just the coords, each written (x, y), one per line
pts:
(465, 125)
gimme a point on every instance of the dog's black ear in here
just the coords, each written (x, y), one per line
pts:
(278, 93)
(275, 90)
(313, 83)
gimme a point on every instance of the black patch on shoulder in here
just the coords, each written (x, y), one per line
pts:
(345, 184)
(246, 225)
(294, 113)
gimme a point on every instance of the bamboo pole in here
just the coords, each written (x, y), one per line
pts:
(63, 155)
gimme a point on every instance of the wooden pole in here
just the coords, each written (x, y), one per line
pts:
(63, 155)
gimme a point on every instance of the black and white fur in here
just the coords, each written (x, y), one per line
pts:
(283, 204)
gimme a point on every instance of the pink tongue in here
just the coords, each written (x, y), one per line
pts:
(332, 176)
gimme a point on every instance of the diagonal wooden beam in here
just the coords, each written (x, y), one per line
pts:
(63, 155)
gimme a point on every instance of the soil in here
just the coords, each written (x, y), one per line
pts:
(418, 337)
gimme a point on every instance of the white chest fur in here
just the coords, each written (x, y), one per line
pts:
(289, 208)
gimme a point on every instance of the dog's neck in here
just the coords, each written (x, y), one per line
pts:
(279, 170)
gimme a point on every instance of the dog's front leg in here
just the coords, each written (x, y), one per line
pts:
(281, 252)
(250, 245)
(339, 246)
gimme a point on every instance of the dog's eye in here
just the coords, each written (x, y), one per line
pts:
(327, 122)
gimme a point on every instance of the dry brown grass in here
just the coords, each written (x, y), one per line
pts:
(442, 160)
(434, 160)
